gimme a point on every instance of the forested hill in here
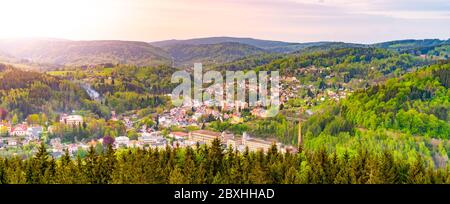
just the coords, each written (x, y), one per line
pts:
(352, 60)
(416, 104)
(400, 45)
(186, 55)
(263, 44)
(26, 92)
(76, 53)
(433, 48)
(45, 54)
(362, 63)
(125, 87)
(268, 45)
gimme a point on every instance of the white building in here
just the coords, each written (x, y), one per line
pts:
(122, 141)
(179, 135)
(153, 139)
(72, 120)
(56, 144)
(34, 132)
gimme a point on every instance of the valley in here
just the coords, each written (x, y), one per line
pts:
(340, 102)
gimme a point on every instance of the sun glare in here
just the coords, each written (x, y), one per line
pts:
(49, 18)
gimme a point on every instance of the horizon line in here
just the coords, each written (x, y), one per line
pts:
(237, 37)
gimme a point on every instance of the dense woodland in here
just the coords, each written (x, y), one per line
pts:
(51, 53)
(26, 92)
(416, 103)
(123, 88)
(185, 55)
(212, 164)
(357, 62)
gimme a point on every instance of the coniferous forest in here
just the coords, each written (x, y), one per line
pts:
(215, 165)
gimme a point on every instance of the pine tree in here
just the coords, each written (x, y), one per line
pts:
(334, 167)
(65, 171)
(159, 175)
(346, 173)
(417, 172)
(50, 172)
(201, 176)
(275, 173)
(290, 176)
(37, 166)
(388, 170)
(257, 175)
(91, 167)
(65, 159)
(189, 165)
(3, 172)
(79, 176)
(320, 166)
(360, 167)
(108, 165)
(228, 164)
(375, 173)
(272, 153)
(236, 172)
(177, 177)
(215, 157)
(435, 176)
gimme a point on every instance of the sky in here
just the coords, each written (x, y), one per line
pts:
(362, 21)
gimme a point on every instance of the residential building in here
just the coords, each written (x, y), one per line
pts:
(122, 141)
(152, 139)
(179, 135)
(56, 143)
(254, 144)
(204, 136)
(72, 120)
(134, 144)
(19, 130)
(12, 142)
(235, 142)
(34, 132)
(128, 123)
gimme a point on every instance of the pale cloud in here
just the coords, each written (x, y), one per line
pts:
(413, 15)
(401, 9)
(288, 20)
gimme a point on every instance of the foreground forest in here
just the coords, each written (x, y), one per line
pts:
(214, 165)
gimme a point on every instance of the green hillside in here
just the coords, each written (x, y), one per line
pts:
(408, 116)
(186, 55)
(26, 92)
(76, 53)
(417, 103)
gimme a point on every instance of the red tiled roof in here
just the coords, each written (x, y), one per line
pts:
(19, 128)
(180, 134)
(207, 132)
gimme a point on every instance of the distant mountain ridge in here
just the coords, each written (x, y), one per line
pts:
(400, 45)
(75, 53)
(264, 44)
(216, 51)
(325, 46)
(187, 54)
(268, 45)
